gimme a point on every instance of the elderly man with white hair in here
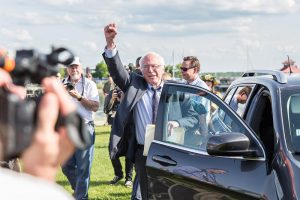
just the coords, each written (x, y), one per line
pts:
(128, 132)
(138, 107)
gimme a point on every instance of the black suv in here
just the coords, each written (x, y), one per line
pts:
(248, 147)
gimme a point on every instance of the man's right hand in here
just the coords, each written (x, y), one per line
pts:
(110, 32)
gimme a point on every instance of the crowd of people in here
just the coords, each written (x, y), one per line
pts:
(131, 102)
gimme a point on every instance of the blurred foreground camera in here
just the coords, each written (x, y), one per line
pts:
(18, 117)
(29, 66)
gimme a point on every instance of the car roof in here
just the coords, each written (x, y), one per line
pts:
(270, 78)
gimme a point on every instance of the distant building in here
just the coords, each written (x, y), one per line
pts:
(289, 67)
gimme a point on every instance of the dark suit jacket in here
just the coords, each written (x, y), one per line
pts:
(123, 140)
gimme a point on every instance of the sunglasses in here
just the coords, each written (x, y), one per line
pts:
(184, 69)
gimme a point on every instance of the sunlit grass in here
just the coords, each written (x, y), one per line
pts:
(102, 172)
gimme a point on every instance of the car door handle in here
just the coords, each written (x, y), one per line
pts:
(164, 160)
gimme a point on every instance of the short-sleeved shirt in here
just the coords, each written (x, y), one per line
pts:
(90, 92)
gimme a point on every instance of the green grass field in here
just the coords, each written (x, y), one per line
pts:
(102, 172)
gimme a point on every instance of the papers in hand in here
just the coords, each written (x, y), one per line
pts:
(149, 136)
(176, 135)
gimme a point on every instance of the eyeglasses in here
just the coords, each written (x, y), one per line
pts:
(184, 69)
(151, 66)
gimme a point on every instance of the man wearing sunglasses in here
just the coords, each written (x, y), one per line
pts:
(190, 69)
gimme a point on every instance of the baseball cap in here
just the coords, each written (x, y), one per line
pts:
(76, 61)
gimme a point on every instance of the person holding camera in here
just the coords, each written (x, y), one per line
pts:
(85, 93)
(46, 151)
(114, 98)
(111, 103)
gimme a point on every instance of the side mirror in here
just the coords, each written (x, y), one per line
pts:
(229, 144)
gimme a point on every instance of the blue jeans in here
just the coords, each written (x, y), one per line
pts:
(78, 168)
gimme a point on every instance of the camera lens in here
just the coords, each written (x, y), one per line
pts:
(69, 86)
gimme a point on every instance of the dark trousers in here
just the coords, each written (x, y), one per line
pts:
(118, 168)
(141, 174)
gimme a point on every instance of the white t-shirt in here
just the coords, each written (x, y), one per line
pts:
(15, 186)
(90, 92)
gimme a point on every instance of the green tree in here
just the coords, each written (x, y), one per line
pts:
(177, 73)
(62, 72)
(101, 70)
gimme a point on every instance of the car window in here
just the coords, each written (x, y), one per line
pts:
(293, 107)
(229, 95)
(240, 98)
(187, 121)
(260, 119)
(221, 113)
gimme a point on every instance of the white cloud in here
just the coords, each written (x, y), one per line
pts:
(145, 27)
(62, 2)
(68, 18)
(21, 35)
(91, 45)
(33, 18)
(265, 6)
(288, 48)
(253, 44)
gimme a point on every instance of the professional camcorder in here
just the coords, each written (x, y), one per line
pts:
(18, 117)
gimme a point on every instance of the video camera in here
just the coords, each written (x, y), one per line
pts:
(18, 117)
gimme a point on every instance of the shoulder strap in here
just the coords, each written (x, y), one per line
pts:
(83, 84)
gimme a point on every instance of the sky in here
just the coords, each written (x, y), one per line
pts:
(226, 35)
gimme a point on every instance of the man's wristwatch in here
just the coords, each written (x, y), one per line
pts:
(79, 99)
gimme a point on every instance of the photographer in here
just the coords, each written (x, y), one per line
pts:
(47, 150)
(110, 108)
(111, 104)
(85, 93)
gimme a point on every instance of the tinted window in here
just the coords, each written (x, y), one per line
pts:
(188, 123)
(290, 99)
(229, 96)
(293, 108)
(240, 98)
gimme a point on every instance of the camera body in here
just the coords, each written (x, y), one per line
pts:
(32, 66)
(17, 123)
(118, 91)
(69, 86)
(18, 117)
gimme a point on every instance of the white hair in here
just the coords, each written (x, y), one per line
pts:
(160, 58)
